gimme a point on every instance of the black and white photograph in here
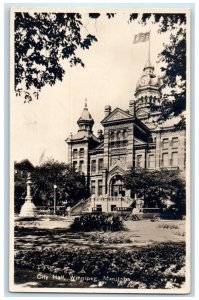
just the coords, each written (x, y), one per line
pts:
(100, 150)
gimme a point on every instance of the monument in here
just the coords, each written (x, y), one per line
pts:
(28, 209)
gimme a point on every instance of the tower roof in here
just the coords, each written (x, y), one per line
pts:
(85, 116)
(85, 121)
(148, 65)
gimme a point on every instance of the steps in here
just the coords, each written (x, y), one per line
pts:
(82, 206)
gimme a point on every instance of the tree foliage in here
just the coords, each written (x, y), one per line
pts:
(42, 41)
(71, 185)
(156, 186)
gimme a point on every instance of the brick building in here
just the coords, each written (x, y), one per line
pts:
(130, 138)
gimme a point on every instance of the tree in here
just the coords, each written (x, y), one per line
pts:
(157, 186)
(71, 185)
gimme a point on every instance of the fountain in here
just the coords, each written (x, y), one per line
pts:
(28, 210)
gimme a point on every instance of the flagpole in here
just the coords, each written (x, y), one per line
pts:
(149, 46)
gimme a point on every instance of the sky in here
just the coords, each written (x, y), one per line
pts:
(113, 65)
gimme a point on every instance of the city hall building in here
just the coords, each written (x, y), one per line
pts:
(130, 137)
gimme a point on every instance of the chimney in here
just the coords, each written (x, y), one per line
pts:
(100, 134)
(107, 110)
(132, 107)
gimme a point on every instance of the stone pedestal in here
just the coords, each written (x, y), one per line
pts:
(28, 209)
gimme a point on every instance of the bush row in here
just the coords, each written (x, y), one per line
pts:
(149, 267)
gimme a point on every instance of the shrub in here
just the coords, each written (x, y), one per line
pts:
(95, 222)
(147, 267)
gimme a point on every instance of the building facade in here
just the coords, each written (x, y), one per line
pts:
(131, 137)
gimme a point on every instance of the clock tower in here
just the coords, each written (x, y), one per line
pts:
(148, 92)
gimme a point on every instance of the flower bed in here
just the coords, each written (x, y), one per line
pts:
(94, 222)
(152, 267)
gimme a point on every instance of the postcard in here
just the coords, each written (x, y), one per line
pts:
(100, 150)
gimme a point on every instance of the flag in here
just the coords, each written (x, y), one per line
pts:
(141, 37)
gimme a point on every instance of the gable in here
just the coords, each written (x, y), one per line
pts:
(115, 115)
(116, 170)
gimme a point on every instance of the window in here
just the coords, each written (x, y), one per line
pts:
(75, 153)
(93, 187)
(125, 134)
(165, 143)
(151, 161)
(75, 165)
(165, 160)
(81, 165)
(111, 135)
(119, 135)
(81, 152)
(99, 187)
(93, 166)
(113, 206)
(112, 145)
(175, 142)
(100, 164)
(139, 157)
(174, 159)
(98, 207)
(117, 144)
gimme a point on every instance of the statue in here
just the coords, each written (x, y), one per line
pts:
(28, 209)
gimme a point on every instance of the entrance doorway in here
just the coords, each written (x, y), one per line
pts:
(117, 186)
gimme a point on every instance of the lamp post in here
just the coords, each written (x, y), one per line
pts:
(120, 199)
(55, 196)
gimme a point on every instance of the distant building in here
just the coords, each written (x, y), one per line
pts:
(130, 138)
(23, 167)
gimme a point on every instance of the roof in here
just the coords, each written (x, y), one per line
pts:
(116, 115)
(24, 164)
(170, 123)
(85, 116)
(148, 65)
(82, 135)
